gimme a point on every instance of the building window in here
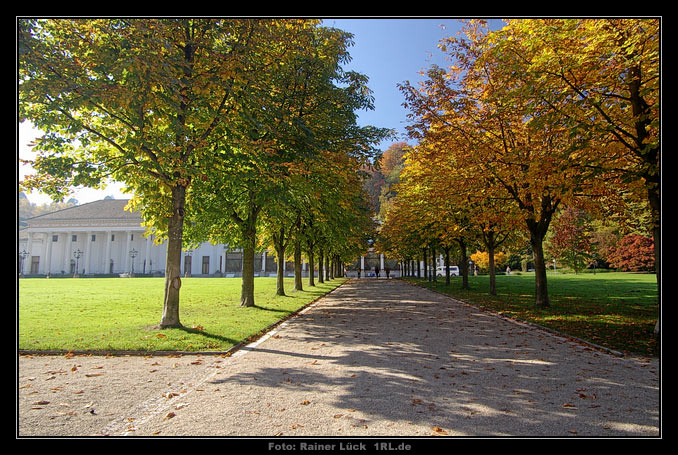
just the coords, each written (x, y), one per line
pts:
(112, 237)
(55, 238)
(74, 238)
(205, 265)
(94, 237)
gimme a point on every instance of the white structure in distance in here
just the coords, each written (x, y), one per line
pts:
(101, 238)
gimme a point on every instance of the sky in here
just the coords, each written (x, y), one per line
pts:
(387, 51)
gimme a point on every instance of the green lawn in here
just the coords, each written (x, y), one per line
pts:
(615, 310)
(118, 313)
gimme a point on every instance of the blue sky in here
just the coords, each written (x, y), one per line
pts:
(390, 52)
(387, 51)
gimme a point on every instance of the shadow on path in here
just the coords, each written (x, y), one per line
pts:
(397, 353)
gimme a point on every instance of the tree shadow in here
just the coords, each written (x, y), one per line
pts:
(399, 353)
(201, 332)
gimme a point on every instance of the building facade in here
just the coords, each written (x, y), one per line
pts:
(101, 238)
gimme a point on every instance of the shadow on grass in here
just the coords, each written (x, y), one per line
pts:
(203, 333)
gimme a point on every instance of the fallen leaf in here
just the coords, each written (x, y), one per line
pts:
(41, 402)
(168, 416)
(336, 416)
(305, 402)
(439, 430)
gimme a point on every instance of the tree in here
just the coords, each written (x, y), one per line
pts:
(602, 78)
(510, 147)
(136, 100)
(299, 114)
(482, 260)
(571, 241)
(633, 253)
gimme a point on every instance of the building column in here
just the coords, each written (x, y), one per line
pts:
(263, 262)
(88, 252)
(48, 254)
(362, 264)
(107, 255)
(126, 252)
(29, 258)
(68, 252)
(147, 255)
(381, 261)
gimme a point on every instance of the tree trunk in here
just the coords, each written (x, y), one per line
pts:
(490, 252)
(538, 231)
(247, 290)
(434, 267)
(426, 277)
(327, 267)
(541, 297)
(297, 266)
(447, 266)
(321, 279)
(279, 245)
(170, 311)
(311, 267)
(280, 272)
(463, 264)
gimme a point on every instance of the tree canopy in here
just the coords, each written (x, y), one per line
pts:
(207, 121)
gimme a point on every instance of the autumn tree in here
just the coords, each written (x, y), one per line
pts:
(571, 239)
(633, 253)
(140, 101)
(601, 77)
(482, 260)
(516, 150)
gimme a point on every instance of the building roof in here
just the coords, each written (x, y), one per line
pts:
(98, 213)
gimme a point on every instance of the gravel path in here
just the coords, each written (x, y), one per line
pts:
(373, 358)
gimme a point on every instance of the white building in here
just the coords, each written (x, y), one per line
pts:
(101, 238)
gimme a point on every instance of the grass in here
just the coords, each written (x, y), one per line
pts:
(117, 314)
(615, 310)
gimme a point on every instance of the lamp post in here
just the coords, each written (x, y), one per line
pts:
(76, 254)
(23, 254)
(133, 253)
